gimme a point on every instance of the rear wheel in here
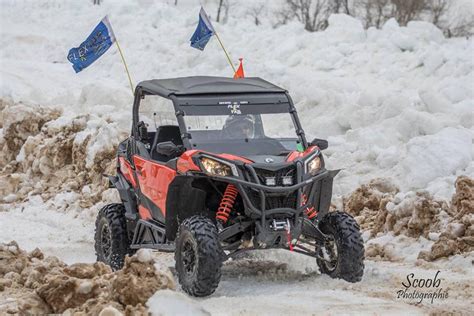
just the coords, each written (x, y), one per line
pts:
(343, 253)
(111, 238)
(198, 256)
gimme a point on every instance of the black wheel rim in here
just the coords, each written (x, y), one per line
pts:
(106, 241)
(330, 254)
(188, 257)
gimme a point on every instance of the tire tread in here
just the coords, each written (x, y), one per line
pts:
(114, 214)
(350, 246)
(210, 256)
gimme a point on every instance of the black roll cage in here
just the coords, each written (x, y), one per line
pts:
(182, 100)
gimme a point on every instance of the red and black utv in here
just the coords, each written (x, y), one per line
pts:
(214, 167)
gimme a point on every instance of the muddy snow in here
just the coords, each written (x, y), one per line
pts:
(31, 283)
(43, 155)
(262, 283)
(395, 104)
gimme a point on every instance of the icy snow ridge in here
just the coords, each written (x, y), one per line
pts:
(382, 97)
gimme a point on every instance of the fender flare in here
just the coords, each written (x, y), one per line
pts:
(127, 195)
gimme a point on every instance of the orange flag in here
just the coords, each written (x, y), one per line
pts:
(240, 71)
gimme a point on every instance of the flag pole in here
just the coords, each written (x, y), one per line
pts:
(227, 55)
(125, 65)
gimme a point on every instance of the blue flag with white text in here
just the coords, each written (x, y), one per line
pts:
(98, 42)
(203, 32)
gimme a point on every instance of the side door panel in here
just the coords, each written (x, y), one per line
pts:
(154, 179)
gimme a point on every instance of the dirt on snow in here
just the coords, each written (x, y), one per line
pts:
(41, 155)
(41, 285)
(379, 209)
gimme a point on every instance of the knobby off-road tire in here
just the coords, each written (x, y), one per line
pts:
(348, 264)
(111, 238)
(198, 256)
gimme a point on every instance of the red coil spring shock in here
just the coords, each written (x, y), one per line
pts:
(310, 211)
(227, 203)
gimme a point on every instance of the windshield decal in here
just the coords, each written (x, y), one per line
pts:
(234, 108)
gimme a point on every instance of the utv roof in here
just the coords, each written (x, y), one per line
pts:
(207, 85)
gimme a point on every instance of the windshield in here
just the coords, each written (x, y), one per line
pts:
(242, 134)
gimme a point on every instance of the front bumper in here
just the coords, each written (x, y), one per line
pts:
(284, 206)
(318, 189)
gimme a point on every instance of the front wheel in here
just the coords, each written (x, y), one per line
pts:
(342, 256)
(198, 256)
(111, 238)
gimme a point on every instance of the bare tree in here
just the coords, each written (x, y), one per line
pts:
(96, 2)
(462, 26)
(284, 16)
(223, 10)
(226, 10)
(219, 8)
(374, 12)
(437, 9)
(255, 12)
(313, 14)
(405, 11)
(464, 29)
(341, 6)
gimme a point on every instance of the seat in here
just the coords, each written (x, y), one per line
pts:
(165, 133)
(151, 138)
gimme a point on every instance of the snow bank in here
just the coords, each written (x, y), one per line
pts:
(43, 285)
(61, 159)
(386, 99)
(408, 226)
(443, 153)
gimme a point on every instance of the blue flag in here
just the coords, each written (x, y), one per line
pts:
(203, 32)
(100, 40)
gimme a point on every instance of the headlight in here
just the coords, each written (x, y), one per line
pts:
(218, 168)
(313, 165)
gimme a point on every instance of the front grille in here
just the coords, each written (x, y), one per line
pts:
(274, 200)
(289, 171)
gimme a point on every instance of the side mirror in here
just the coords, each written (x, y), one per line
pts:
(321, 143)
(142, 130)
(168, 149)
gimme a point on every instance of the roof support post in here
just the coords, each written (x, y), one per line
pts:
(185, 136)
(296, 122)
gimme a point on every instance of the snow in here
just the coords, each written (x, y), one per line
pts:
(401, 248)
(394, 103)
(266, 292)
(110, 311)
(343, 29)
(171, 303)
(381, 97)
(144, 255)
(38, 224)
(85, 287)
(441, 153)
